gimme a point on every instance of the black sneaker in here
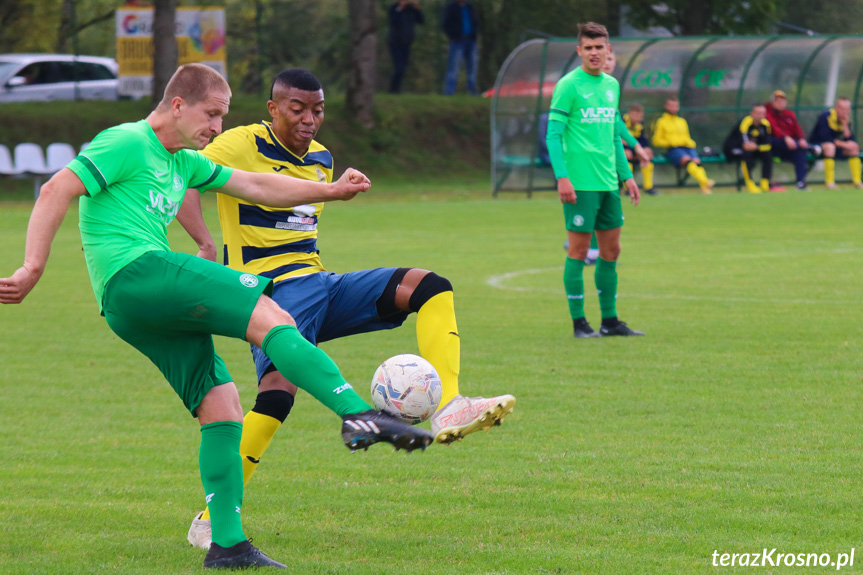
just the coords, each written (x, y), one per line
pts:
(618, 329)
(652, 192)
(360, 430)
(238, 556)
(580, 328)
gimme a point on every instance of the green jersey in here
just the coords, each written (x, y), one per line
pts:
(134, 190)
(587, 106)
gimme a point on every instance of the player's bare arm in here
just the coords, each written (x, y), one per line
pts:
(191, 218)
(280, 192)
(48, 214)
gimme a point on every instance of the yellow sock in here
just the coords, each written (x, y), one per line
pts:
(704, 179)
(829, 171)
(765, 184)
(744, 169)
(697, 173)
(647, 173)
(437, 337)
(854, 165)
(258, 432)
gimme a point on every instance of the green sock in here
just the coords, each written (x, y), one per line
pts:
(573, 283)
(605, 277)
(311, 369)
(593, 244)
(222, 476)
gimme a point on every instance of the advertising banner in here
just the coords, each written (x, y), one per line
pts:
(200, 34)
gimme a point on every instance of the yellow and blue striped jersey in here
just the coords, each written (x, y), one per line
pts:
(271, 242)
(635, 128)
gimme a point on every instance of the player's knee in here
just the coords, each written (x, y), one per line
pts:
(430, 286)
(275, 403)
(829, 150)
(577, 252)
(853, 149)
(611, 253)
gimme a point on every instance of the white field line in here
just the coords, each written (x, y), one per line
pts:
(501, 281)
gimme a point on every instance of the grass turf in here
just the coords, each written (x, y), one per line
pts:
(731, 427)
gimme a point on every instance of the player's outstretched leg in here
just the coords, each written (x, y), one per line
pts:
(464, 415)
(360, 430)
(239, 556)
(439, 343)
(309, 368)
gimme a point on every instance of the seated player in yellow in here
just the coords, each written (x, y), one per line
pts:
(634, 122)
(671, 132)
(748, 142)
(833, 133)
(282, 245)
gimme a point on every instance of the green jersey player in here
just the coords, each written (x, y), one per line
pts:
(130, 182)
(588, 158)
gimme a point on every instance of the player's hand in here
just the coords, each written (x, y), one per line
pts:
(790, 143)
(566, 191)
(749, 146)
(643, 156)
(634, 192)
(803, 143)
(207, 253)
(14, 289)
(350, 184)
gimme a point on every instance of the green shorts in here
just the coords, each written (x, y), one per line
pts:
(168, 306)
(594, 211)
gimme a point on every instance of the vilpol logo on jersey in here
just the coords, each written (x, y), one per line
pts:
(249, 280)
(163, 208)
(597, 115)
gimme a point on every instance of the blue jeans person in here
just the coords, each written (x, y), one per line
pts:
(464, 49)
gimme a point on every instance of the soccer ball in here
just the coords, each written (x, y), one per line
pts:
(408, 387)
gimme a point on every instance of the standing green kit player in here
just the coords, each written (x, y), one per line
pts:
(131, 181)
(588, 157)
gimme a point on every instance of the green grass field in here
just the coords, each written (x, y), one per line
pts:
(733, 426)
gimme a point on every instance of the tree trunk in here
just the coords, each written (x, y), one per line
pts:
(165, 51)
(695, 18)
(65, 31)
(363, 62)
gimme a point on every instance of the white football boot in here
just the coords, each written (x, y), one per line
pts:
(464, 415)
(200, 534)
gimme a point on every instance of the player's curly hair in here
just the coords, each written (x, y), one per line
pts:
(592, 30)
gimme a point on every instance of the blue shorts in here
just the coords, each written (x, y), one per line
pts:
(674, 155)
(329, 306)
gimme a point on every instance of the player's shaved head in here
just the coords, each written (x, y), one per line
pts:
(194, 83)
(298, 78)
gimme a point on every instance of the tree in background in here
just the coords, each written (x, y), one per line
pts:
(697, 17)
(266, 36)
(835, 17)
(359, 97)
(165, 52)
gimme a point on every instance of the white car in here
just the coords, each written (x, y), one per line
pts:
(46, 77)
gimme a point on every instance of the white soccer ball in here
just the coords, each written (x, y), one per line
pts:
(408, 387)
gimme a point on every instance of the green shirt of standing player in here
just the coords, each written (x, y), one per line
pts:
(587, 159)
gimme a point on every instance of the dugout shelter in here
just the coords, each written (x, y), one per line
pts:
(716, 79)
